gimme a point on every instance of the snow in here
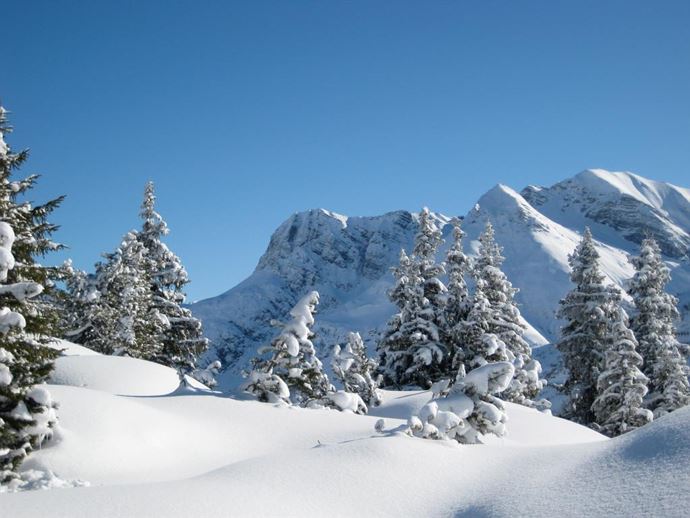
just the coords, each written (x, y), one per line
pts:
(116, 375)
(201, 454)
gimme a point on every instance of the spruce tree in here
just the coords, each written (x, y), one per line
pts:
(427, 241)
(288, 369)
(480, 345)
(182, 336)
(621, 386)
(412, 351)
(33, 241)
(28, 314)
(653, 325)
(588, 312)
(122, 319)
(356, 371)
(27, 413)
(458, 301)
(505, 321)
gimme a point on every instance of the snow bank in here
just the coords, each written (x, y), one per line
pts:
(204, 455)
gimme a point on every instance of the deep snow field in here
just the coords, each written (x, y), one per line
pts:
(148, 450)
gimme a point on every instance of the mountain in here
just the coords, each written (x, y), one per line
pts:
(348, 259)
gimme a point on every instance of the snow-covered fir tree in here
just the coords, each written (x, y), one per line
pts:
(288, 369)
(469, 409)
(33, 240)
(458, 301)
(122, 319)
(480, 345)
(81, 293)
(621, 386)
(412, 350)
(182, 336)
(427, 241)
(356, 371)
(505, 321)
(588, 311)
(27, 412)
(654, 326)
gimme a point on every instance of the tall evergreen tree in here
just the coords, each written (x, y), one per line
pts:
(480, 345)
(427, 241)
(28, 315)
(27, 413)
(458, 301)
(288, 369)
(412, 351)
(33, 241)
(122, 320)
(585, 337)
(621, 386)
(653, 325)
(505, 321)
(182, 337)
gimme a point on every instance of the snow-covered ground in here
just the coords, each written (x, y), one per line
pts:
(157, 452)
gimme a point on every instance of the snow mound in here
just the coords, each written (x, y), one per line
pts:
(82, 367)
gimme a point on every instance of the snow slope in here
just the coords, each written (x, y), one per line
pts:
(199, 454)
(348, 259)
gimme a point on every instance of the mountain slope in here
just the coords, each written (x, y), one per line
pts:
(348, 259)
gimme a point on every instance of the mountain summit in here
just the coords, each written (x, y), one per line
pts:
(348, 259)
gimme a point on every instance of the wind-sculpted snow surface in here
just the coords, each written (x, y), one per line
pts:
(196, 453)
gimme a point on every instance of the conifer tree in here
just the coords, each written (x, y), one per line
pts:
(356, 371)
(122, 318)
(27, 413)
(653, 325)
(480, 345)
(588, 312)
(33, 232)
(427, 241)
(504, 320)
(182, 335)
(621, 387)
(458, 301)
(288, 369)
(28, 314)
(412, 351)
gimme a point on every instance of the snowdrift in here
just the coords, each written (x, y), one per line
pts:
(202, 454)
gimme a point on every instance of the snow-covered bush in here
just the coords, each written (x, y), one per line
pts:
(289, 370)
(356, 371)
(467, 410)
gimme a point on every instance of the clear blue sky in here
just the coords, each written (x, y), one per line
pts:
(243, 113)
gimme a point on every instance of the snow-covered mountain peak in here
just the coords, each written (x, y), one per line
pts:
(621, 207)
(348, 259)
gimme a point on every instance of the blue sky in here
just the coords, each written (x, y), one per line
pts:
(245, 112)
